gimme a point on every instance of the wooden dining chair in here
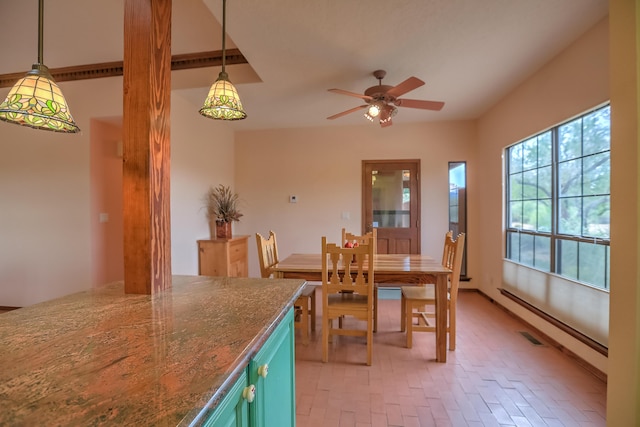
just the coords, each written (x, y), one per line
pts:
(347, 293)
(419, 301)
(305, 305)
(366, 239)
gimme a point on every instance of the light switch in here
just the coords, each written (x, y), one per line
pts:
(346, 215)
(293, 199)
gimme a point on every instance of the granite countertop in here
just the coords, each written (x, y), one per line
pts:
(103, 357)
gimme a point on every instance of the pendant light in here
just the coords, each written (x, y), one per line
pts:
(36, 100)
(223, 102)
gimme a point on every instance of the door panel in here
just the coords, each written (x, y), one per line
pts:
(391, 203)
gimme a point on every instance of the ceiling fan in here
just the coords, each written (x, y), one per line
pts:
(382, 100)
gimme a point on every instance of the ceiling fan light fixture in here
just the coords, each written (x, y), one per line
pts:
(374, 110)
(387, 113)
(381, 100)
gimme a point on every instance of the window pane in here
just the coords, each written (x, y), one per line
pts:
(453, 214)
(529, 215)
(570, 216)
(596, 216)
(608, 275)
(515, 213)
(526, 249)
(544, 215)
(570, 144)
(544, 183)
(530, 154)
(592, 263)
(543, 253)
(570, 178)
(597, 174)
(596, 131)
(567, 259)
(515, 186)
(513, 246)
(544, 149)
(530, 184)
(515, 158)
(391, 198)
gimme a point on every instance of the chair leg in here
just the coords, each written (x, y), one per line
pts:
(402, 312)
(312, 311)
(452, 328)
(325, 339)
(375, 308)
(369, 344)
(304, 321)
(331, 327)
(408, 319)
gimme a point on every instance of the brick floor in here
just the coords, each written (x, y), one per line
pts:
(495, 377)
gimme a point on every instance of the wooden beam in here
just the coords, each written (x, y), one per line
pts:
(146, 143)
(183, 61)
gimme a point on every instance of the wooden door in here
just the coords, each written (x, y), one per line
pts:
(391, 203)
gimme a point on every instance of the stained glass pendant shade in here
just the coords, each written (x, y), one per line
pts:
(223, 102)
(36, 100)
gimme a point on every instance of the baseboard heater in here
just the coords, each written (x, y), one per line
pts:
(557, 323)
(565, 328)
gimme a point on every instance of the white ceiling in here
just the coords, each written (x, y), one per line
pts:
(470, 53)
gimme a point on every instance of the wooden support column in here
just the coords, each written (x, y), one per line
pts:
(146, 146)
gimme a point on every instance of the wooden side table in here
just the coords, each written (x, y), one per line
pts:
(223, 257)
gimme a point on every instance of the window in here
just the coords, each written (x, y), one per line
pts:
(458, 204)
(558, 199)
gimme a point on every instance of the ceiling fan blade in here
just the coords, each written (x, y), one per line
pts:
(344, 113)
(346, 92)
(416, 103)
(408, 85)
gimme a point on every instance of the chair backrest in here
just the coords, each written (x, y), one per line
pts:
(356, 264)
(361, 240)
(449, 250)
(452, 259)
(267, 253)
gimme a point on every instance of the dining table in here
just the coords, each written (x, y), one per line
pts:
(389, 270)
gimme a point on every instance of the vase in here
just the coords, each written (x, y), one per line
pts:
(223, 230)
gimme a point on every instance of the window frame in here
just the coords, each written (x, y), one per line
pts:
(554, 236)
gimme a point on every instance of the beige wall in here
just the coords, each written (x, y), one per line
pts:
(51, 243)
(623, 393)
(322, 166)
(573, 82)
(202, 155)
(106, 216)
(45, 248)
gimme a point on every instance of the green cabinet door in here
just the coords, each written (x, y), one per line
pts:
(233, 410)
(274, 405)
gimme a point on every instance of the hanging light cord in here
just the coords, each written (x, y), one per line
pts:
(40, 30)
(224, 21)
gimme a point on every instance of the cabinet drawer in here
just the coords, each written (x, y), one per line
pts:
(233, 410)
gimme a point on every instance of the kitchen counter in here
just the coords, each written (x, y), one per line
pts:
(103, 357)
